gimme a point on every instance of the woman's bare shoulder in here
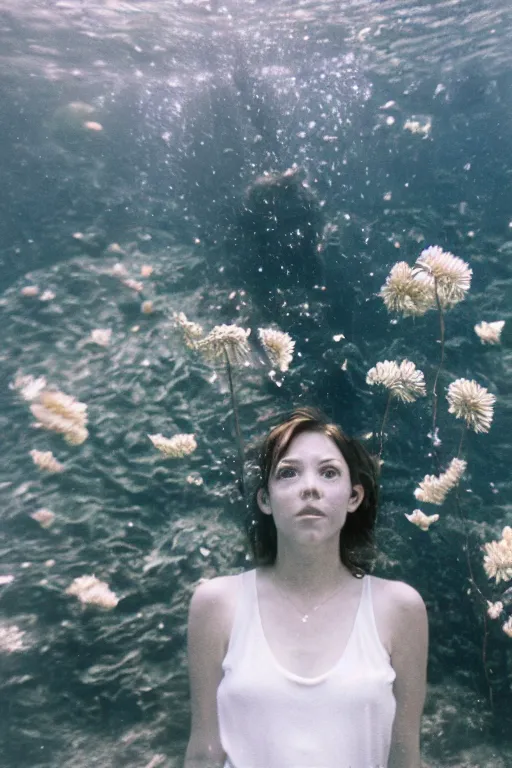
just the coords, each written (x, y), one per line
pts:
(397, 592)
(389, 598)
(225, 588)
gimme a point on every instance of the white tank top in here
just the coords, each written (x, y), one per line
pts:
(272, 718)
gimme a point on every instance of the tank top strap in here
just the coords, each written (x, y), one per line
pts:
(367, 626)
(365, 613)
(246, 594)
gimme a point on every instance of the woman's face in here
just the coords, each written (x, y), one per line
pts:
(311, 476)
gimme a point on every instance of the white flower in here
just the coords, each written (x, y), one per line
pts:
(406, 294)
(403, 381)
(46, 460)
(415, 126)
(92, 591)
(10, 638)
(279, 347)
(498, 557)
(175, 447)
(30, 387)
(134, 285)
(101, 336)
(433, 490)
(45, 517)
(490, 333)
(471, 402)
(192, 332)
(30, 290)
(445, 272)
(494, 609)
(422, 520)
(507, 627)
(225, 340)
(62, 413)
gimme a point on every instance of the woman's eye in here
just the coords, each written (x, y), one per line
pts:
(281, 472)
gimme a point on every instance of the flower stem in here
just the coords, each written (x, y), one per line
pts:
(384, 419)
(463, 432)
(480, 594)
(442, 340)
(239, 442)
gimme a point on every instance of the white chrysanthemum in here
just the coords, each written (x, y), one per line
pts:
(411, 384)
(92, 591)
(494, 609)
(45, 517)
(192, 332)
(174, 447)
(385, 373)
(498, 557)
(279, 347)
(433, 490)
(46, 460)
(422, 520)
(30, 388)
(471, 402)
(403, 381)
(404, 293)
(441, 269)
(490, 333)
(230, 340)
(507, 627)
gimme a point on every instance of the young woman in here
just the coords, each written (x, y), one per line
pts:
(307, 661)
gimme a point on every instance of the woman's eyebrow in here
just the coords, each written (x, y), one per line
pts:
(298, 461)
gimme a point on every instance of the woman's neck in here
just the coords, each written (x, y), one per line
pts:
(309, 581)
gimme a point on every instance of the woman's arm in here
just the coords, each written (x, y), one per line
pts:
(409, 655)
(206, 640)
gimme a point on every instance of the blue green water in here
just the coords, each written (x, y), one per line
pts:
(130, 133)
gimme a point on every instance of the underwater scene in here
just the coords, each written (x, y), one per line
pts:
(213, 212)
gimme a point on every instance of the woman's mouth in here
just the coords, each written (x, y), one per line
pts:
(310, 512)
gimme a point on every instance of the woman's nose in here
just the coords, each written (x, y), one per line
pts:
(309, 489)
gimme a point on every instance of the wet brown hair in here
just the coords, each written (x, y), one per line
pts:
(357, 543)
